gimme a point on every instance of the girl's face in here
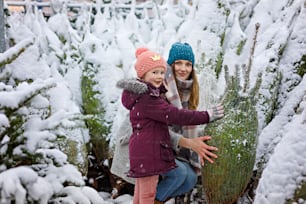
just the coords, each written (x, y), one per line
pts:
(182, 69)
(155, 76)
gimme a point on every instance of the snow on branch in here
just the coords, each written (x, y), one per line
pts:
(23, 92)
(12, 53)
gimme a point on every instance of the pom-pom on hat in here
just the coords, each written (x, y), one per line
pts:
(147, 60)
(180, 51)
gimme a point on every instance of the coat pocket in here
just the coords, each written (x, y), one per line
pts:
(166, 152)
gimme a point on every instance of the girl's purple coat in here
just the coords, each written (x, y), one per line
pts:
(150, 147)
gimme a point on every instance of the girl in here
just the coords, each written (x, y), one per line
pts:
(150, 147)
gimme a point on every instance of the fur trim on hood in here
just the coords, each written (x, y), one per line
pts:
(133, 85)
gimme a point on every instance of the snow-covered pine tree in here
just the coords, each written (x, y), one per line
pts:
(235, 135)
(35, 120)
(31, 125)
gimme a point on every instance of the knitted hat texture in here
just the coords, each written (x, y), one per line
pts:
(180, 51)
(148, 60)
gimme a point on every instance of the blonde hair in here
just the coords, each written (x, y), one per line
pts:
(195, 90)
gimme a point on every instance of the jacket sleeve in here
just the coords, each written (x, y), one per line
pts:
(175, 138)
(160, 110)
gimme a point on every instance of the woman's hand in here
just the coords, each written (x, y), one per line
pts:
(200, 147)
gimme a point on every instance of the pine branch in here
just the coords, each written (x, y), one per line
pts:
(248, 68)
(12, 53)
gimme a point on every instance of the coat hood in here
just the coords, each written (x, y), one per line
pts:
(133, 85)
(134, 88)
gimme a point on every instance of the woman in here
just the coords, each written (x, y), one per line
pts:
(183, 92)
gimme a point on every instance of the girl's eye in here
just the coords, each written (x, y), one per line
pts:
(158, 72)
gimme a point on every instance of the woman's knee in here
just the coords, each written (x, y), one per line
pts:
(181, 170)
(191, 176)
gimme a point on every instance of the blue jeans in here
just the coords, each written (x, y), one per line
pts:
(176, 182)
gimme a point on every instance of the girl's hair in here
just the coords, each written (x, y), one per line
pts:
(195, 89)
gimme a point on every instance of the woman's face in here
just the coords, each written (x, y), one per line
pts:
(182, 69)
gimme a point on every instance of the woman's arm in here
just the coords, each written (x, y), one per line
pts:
(175, 138)
(200, 147)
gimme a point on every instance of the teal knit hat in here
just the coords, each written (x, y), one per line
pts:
(180, 51)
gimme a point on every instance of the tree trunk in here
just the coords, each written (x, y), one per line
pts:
(2, 35)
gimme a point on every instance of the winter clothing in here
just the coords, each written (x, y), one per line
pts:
(180, 51)
(158, 202)
(148, 60)
(188, 131)
(150, 146)
(175, 185)
(145, 190)
(216, 112)
(121, 162)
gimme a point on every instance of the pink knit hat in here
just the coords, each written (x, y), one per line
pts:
(147, 60)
